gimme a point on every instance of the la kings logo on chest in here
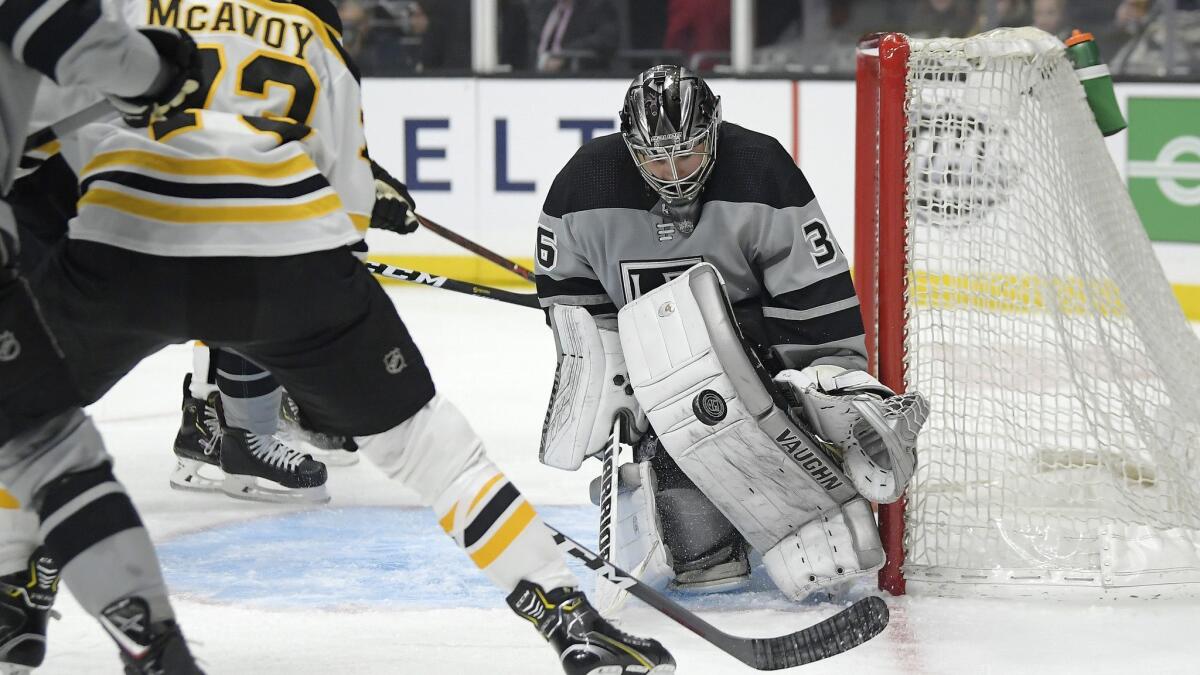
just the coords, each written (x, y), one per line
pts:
(639, 277)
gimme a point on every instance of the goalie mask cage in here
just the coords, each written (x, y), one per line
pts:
(1004, 273)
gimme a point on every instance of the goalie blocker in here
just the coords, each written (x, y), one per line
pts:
(714, 409)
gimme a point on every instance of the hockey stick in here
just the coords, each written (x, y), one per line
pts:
(94, 113)
(471, 246)
(841, 632)
(610, 597)
(427, 279)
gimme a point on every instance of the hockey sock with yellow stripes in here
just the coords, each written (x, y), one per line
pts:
(499, 530)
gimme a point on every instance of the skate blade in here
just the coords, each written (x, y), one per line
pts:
(255, 489)
(14, 669)
(188, 475)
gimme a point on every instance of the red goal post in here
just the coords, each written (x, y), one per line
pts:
(879, 239)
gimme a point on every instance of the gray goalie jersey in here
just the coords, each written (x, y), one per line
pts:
(604, 238)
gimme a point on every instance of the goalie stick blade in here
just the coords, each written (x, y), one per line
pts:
(841, 632)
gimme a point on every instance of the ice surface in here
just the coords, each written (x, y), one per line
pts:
(368, 585)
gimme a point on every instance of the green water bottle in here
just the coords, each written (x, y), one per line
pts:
(1096, 80)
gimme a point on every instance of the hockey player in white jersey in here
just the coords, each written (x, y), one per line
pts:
(685, 263)
(226, 385)
(52, 462)
(232, 223)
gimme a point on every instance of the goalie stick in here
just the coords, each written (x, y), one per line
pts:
(610, 597)
(841, 632)
(426, 279)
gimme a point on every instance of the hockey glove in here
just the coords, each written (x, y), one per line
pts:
(180, 77)
(875, 429)
(394, 209)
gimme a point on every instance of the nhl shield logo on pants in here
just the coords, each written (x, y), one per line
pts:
(394, 361)
(10, 348)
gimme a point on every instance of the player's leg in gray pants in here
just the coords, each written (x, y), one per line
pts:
(86, 519)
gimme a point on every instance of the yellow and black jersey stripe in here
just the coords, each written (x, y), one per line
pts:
(175, 197)
(494, 518)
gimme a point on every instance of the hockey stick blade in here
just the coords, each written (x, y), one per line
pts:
(841, 632)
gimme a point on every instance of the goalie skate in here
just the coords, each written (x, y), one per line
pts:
(197, 444)
(329, 449)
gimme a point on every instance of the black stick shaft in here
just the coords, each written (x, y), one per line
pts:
(487, 254)
(426, 279)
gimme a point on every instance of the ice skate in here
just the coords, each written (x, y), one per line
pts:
(260, 467)
(25, 601)
(147, 647)
(330, 449)
(197, 444)
(586, 643)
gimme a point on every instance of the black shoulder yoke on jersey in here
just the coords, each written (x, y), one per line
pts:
(754, 167)
(751, 167)
(601, 175)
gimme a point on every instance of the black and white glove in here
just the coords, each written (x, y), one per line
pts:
(180, 77)
(395, 209)
(875, 428)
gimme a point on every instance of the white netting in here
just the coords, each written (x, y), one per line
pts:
(1064, 446)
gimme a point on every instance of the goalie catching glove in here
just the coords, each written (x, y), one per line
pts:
(874, 428)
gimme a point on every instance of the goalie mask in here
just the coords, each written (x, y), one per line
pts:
(669, 122)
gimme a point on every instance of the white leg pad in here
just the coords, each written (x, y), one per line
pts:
(639, 547)
(826, 551)
(715, 416)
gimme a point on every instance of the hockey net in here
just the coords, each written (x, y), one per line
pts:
(1004, 273)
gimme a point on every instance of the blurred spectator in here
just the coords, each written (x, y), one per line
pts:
(514, 34)
(1002, 14)
(1149, 49)
(1051, 16)
(822, 39)
(447, 43)
(698, 28)
(647, 23)
(573, 35)
(389, 39)
(446, 37)
(773, 19)
(942, 18)
(398, 37)
(354, 26)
